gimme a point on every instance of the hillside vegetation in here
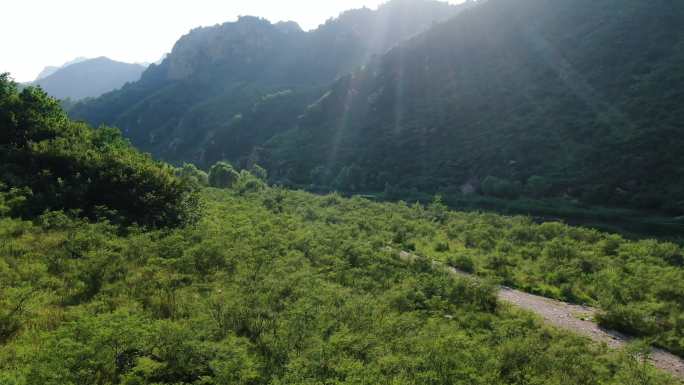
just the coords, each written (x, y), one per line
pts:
(48, 163)
(533, 98)
(270, 286)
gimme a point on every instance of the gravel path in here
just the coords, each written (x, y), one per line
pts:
(575, 318)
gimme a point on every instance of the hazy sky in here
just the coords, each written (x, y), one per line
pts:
(38, 33)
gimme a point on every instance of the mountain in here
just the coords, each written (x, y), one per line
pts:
(537, 98)
(49, 70)
(219, 80)
(89, 78)
(573, 98)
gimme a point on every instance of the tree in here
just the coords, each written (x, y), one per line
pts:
(192, 175)
(439, 212)
(223, 175)
(259, 172)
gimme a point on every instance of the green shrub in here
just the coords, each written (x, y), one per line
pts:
(223, 175)
(441, 247)
(55, 220)
(462, 262)
(248, 183)
(193, 176)
(259, 172)
(292, 288)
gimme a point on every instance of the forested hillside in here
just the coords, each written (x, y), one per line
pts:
(532, 97)
(225, 89)
(88, 78)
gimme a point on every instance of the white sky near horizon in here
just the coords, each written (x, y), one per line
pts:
(38, 33)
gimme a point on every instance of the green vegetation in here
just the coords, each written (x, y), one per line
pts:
(272, 286)
(49, 163)
(635, 283)
(192, 175)
(119, 269)
(631, 223)
(223, 175)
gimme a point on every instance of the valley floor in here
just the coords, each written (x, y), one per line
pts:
(276, 287)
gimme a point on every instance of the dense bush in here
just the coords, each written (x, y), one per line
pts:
(48, 162)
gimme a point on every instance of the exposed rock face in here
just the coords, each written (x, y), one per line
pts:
(231, 44)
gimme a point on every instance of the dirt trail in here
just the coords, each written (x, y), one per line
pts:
(575, 318)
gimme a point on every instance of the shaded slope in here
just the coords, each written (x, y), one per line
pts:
(584, 94)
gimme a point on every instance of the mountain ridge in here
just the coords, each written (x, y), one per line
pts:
(215, 74)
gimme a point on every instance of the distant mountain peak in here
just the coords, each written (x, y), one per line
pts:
(80, 79)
